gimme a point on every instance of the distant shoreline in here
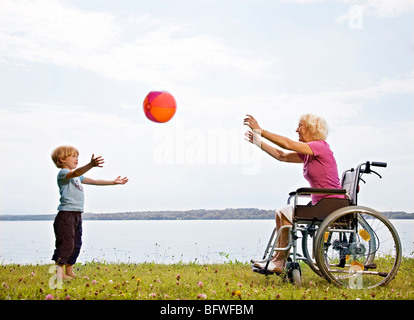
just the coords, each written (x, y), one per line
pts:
(198, 214)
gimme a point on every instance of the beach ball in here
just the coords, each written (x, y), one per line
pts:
(159, 106)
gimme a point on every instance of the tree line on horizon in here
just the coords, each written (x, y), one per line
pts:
(197, 214)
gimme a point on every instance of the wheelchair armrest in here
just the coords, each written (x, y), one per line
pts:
(308, 191)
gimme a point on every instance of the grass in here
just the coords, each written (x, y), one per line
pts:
(150, 281)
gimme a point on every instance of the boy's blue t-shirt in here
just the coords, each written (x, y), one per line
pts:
(71, 192)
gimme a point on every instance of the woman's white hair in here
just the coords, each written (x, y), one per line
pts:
(316, 126)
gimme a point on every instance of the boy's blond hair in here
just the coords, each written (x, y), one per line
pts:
(63, 152)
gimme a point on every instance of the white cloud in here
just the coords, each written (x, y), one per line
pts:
(376, 8)
(386, 8)
(54, 32)
(385, 86)
(40, 30)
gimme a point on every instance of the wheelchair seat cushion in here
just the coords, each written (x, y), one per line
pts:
(320, 210)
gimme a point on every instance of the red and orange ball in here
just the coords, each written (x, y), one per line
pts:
(159, 106)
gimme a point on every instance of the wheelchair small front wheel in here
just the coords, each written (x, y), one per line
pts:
(357, 247)
(296, 277)
(293, 273)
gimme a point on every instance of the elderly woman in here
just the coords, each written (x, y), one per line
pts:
(319, 168)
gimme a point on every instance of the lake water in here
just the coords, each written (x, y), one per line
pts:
(160, 241)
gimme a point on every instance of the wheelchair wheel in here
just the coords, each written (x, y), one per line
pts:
(357, 247)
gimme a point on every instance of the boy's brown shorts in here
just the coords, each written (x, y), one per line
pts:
(68, 234)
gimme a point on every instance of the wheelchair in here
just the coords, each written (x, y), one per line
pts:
(349, 245)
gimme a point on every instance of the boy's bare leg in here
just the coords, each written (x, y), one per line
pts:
(69, 271)
(60, 274)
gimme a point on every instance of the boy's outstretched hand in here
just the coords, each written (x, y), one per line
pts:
(97, 162)
(121, 181)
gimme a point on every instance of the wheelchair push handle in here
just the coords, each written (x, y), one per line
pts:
(379, 164)
(367, 167)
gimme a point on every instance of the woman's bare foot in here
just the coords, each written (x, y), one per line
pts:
(280, 264)
(275, 266)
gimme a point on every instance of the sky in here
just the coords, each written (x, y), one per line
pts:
(76, 72)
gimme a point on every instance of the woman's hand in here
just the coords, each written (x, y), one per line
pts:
(253, 138)
(251, 122)
(249, 136)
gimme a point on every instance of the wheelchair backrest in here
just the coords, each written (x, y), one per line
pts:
(350, 181)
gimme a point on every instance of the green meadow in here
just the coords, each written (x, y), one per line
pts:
(190, 281)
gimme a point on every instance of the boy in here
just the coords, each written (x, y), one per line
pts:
(68, 221)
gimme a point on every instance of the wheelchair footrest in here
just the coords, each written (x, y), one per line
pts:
(261, 271)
